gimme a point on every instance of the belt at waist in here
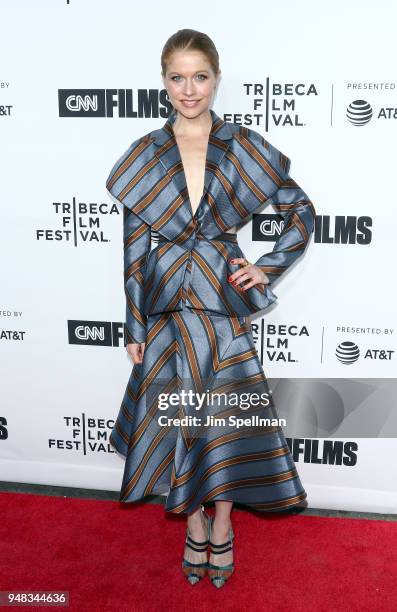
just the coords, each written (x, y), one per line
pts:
(225, 236)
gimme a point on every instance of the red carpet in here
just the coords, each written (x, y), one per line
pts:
(115, 557)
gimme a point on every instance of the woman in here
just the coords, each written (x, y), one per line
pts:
(185, 188)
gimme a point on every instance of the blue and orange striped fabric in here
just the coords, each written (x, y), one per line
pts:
(243, 171)
(193, 321)
(194, 463)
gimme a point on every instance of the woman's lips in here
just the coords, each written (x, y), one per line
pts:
(190, 102)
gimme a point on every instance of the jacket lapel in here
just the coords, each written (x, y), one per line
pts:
(167, 153)
(150, 180)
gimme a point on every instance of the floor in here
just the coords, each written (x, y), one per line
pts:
(17, 487)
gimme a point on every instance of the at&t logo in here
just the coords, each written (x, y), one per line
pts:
(348, 352)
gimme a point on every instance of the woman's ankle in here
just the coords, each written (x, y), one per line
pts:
(221, 526)
(196, 524)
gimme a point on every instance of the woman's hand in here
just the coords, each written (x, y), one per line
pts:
(250, 272)
(136, 351)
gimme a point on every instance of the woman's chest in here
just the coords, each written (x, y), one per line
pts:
(193, 154)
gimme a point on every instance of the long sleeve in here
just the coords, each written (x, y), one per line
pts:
(136, 247)
(137, 242)
(298, 212)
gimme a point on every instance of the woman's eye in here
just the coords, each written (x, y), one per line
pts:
(200, 77)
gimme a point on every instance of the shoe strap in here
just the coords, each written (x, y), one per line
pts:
(220, 552)
(195, 541)
(216, 549)
(220, 545)
(194, 545)
(211, 566)
(187, 563)
(202, 548)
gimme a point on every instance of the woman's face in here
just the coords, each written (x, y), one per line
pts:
(190, 82)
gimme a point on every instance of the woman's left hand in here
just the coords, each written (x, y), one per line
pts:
(249, 272)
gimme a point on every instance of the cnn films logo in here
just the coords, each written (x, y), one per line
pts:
(273, 342)
(78, 222)
(348, 352)
(342, 229)
(96, 333)
(84, 435)
(326, 452)
(3, 428)
(267, 227)
(275, 103)
(339, 229)
(109, 103)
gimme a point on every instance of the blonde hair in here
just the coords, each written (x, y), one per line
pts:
(192, 40)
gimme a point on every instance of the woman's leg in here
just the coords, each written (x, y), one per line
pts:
(198, 532)
(220, 532)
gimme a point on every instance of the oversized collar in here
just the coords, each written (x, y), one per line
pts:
(152, 182)
(168, 154)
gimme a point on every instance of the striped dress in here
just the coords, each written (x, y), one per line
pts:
(197, 422)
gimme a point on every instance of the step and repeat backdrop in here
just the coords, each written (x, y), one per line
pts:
(79, 81)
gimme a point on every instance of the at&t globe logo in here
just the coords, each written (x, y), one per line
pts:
(347, 352)
(359, 112)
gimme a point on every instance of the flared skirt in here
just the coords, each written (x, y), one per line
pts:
(198, 423)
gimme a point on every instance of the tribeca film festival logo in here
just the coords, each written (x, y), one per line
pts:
(79, 222)
(272, 342)
(85, 434)
(110, 103)
(274, 104)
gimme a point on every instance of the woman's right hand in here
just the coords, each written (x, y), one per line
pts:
(136, 352)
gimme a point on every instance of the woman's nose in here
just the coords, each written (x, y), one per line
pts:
(189, 87)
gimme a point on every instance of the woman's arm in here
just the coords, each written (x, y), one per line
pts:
(298, 212)
(136, 248)
(288, 200)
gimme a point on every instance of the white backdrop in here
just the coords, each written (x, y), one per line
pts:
(297, 73)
